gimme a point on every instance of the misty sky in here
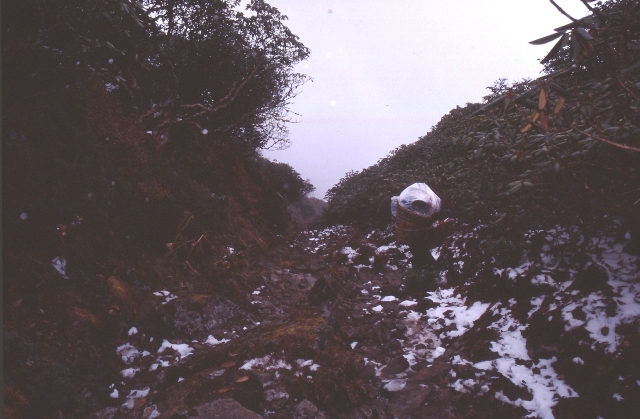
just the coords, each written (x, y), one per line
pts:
(384, 72)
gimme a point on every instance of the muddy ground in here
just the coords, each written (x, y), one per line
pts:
(343, 324)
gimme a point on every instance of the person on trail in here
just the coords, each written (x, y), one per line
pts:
(420, 221)
(421, 244)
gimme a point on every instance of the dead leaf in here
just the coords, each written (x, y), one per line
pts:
(79, 314)
(120, 291)
(534, 116)
(559, 105)
(544, 120)
(139, 403)
(228, 364)
(542, 99)
(200, 298)
(223, 390)
(242, 379)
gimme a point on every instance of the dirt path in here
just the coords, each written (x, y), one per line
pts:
(342, 326)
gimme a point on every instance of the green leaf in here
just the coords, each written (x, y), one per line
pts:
(514, 189)
(568, 26)
(584, 34)
(631, 67)
(557, 88)
(557, 47)
(576, 47)
(547, 39)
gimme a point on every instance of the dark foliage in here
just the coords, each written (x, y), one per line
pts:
(197, 63)
(131, 136)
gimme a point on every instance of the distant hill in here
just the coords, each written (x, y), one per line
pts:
(306, 208)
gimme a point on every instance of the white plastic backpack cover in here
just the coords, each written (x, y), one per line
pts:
(420, 199)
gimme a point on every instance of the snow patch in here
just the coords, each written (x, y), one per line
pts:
(451, 310)
(127, 352)
(129, 372)
(213, 341)
(266, 363)
(182, 348)
(395, 385)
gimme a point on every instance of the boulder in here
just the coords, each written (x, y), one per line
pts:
(224, 409)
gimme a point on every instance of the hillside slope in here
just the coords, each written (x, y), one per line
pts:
(131, 163)
(539, 151)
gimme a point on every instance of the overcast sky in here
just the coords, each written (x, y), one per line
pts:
(384, 72)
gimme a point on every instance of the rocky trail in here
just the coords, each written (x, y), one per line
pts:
(342, 325)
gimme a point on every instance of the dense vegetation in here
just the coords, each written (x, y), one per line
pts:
(563, 147)
(131, 153)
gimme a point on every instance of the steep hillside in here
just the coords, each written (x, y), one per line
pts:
(123, 173)
(562, 146)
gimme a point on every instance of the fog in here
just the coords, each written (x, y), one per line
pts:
(385, 72)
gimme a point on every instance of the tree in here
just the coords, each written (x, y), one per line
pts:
(200, 63)
(233, 71)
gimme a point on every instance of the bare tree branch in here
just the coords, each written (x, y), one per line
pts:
(225, 101)
(562, 11)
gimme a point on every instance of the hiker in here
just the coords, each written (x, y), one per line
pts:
(420, 221)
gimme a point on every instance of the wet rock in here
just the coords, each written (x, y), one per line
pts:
(612, 308)
(301, 282)
(425, 304)
(370, 351)
(396, 365)
(404, 403)
(592, 279)
(150, 412)
(420, 365)
(464, 371)
(276, 278)
(106, 413)
(250, 393)
(393, 281)
(443, 396)
(365, 275)
(434, 372)
(307, 410)
(401, 327)
(149, 320)
(435, 412)
(510, 390)
(579, 314)
(381, 332)
(184, 317)
(368, 372)
(275, 395)
(394, 344)
(224, 409)
(351, 332)
(315, 265)
(322, 290)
